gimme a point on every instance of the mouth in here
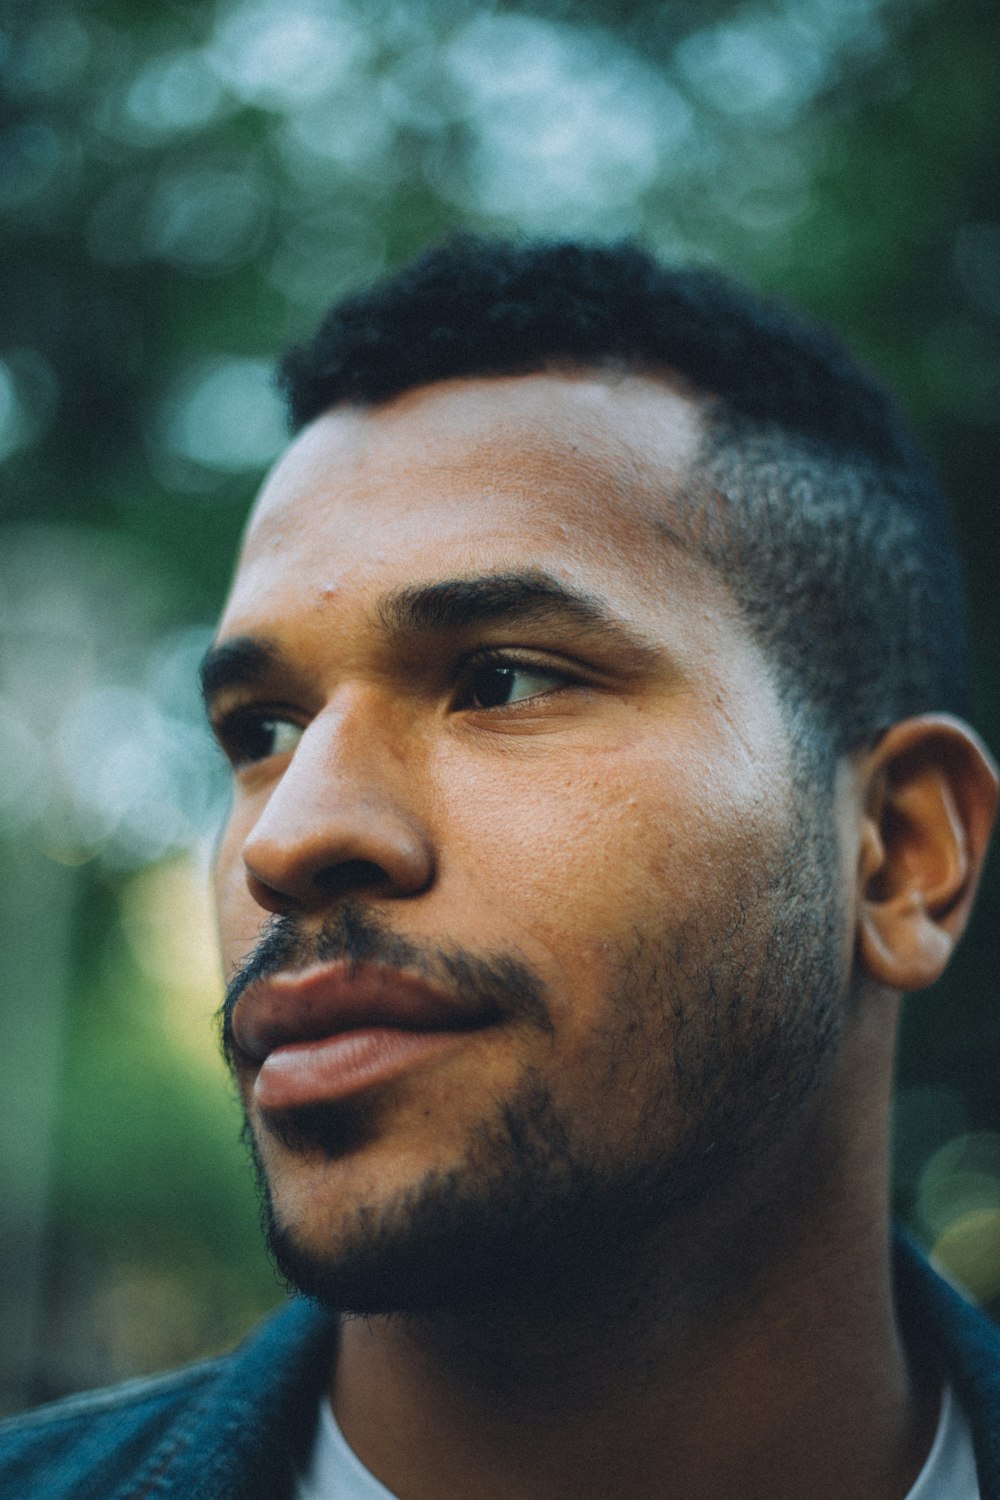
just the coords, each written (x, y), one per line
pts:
(325, 1033)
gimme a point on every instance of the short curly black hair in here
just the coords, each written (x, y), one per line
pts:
(820, 511)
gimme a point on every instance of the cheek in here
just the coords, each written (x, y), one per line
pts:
(239, 917)
(582, 857)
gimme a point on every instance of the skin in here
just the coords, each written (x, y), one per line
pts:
(642, 784)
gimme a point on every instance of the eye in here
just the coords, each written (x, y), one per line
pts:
(496, 684)
(248, 736)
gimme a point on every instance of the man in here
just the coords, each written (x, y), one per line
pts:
(591, 680)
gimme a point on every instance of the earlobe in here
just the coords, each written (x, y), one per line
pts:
(930, 800)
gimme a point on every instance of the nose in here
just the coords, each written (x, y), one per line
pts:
(338, 823)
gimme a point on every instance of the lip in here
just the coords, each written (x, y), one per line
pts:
(326, 1032)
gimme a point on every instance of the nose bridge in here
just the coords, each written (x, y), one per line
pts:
(345, 803)
(361, 730)
(339, 760)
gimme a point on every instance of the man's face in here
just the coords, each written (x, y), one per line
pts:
(515, 778)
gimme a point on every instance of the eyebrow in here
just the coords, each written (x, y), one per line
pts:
(243, 661)
(534, 596)
(445, 607)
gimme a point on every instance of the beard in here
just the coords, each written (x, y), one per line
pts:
(725, 1036)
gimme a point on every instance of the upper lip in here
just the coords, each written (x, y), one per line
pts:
(323, 1001)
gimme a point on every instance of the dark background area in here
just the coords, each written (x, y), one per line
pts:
(183, 189)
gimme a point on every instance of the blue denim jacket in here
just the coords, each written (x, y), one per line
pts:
(231, 1427)
(234, 1428)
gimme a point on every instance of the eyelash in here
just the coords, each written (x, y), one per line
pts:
(236, 729)
(512, 662)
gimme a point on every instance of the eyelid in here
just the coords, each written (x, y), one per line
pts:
(234, 703)
(531, 658)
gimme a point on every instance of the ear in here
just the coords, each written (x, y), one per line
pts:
(930, 791)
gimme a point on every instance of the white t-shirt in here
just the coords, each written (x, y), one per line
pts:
(950, 1470)
(335, 1472)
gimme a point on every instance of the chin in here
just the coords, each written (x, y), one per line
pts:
(521, 1221)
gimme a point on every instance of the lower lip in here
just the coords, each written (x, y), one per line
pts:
(334, 1067)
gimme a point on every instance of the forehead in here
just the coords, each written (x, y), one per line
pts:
(579, 473)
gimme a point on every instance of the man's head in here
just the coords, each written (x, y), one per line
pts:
(553, 677)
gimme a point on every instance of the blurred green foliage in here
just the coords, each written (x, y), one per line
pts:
(183, 189)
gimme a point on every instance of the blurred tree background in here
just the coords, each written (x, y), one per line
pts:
(183, 189)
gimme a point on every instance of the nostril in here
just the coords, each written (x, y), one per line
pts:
(342, 878)
(348, 876)
(266, 896)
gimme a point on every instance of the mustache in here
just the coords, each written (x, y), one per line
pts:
(501, 982)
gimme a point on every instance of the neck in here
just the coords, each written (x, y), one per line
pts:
(751, 1349)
